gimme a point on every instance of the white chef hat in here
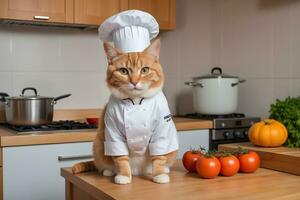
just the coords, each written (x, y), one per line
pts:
(131, 30)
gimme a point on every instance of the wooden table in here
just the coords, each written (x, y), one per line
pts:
(263, 184)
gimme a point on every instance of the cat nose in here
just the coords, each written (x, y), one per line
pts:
(134, 82)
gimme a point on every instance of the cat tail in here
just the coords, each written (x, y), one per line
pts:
(81, 167)
(90, 165)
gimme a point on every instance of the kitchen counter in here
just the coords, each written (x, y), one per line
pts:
(9, 138)
(263, 184)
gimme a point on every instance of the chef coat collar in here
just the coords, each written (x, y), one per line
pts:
(131, 100)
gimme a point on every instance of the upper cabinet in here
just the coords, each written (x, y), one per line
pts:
(163, 10)
(94, 12)
(59, 11)
(85, 12)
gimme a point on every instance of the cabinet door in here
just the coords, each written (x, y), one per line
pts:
(60, 11)
(163, 10)
(94, 12)
(33, 172)
(192, 139)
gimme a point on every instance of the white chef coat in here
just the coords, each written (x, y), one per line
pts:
(137, 127)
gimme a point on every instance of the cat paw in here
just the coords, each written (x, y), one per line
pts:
(108, 172)
(162, 178)
(122, 180)
(166, 170)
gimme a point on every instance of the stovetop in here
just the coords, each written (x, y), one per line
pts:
(233, 120)
(62, 125)
(204, 116)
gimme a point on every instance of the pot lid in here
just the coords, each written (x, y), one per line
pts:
(216, 72)
(28, 97)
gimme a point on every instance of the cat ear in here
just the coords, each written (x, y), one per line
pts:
(154, 48)
(111, 52)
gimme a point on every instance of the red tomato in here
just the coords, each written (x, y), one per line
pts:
(189, 160)
(249, 162)
(208, 167)
(229, 165)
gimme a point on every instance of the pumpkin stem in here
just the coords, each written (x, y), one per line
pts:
(267, 123)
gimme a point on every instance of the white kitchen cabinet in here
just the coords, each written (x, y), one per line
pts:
(33, 172)
(192, 139)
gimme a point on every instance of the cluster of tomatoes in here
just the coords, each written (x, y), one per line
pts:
(212, 164)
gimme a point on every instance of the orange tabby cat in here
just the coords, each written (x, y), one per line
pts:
(137, 104)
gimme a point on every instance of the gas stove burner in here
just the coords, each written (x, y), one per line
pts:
(204, 116)
(56, 125)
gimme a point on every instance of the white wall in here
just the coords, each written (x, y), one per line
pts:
(56, 62)
(259, 40)
(186, 52)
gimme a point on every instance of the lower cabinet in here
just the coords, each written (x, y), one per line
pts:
(192, 139)
(33, 172)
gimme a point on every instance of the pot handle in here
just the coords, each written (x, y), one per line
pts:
(194, 84)
(29, 88)
(2, 96)
(235, 84)
(216, 68)
(60, 97)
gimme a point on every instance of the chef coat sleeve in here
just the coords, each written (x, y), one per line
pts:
(115, 143)
(164, 139)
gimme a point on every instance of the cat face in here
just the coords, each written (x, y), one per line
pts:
(132, 75)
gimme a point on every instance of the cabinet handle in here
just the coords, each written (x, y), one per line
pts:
(78, 157)
(41, 17)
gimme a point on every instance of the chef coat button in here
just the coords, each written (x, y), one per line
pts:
(144, 109)
(145, 125)
(127, 127)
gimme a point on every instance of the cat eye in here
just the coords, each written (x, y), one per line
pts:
(123, 71)
(144, 70)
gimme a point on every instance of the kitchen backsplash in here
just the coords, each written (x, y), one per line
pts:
(55, 62)
(259, 40)
(256, 39)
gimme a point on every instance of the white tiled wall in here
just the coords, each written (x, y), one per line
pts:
(56, 62)
(258, 40)
(186, 52)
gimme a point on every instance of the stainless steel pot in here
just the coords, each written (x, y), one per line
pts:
(31, 110)
(215, 93)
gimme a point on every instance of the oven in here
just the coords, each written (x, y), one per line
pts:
(231, 128)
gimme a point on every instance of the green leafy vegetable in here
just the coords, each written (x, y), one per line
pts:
(288, 112)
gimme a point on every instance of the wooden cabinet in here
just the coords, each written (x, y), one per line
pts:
(85, 12)
(60, 11)
(163, 10)
(33, 172)
(94, 12)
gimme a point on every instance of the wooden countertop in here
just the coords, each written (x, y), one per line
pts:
(263, 184)
(9, 138)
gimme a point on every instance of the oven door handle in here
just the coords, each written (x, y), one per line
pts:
(75, 157)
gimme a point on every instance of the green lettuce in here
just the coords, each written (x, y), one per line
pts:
(288, 112)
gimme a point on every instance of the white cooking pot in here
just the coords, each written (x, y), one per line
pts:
(215, 93)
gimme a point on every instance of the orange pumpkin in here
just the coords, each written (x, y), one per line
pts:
(268, 133)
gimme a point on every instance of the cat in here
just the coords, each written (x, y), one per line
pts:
(135, 81)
